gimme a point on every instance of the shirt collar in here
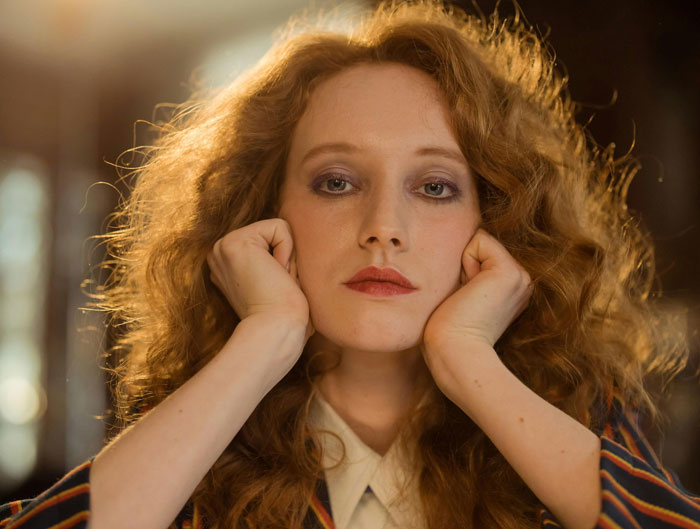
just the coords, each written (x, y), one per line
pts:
(362, 467)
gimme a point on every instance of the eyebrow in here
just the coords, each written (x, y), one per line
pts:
(349, 148)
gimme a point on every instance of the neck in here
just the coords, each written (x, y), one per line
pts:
(373, 391)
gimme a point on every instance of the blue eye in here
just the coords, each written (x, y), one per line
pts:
(330, 184)
(434, 191)
(335, 184)
(434, 187)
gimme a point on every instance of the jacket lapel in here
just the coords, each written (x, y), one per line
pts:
(319, 514)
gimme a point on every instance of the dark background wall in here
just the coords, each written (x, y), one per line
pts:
(73, 109)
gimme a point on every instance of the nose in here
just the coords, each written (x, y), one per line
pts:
(384, 221)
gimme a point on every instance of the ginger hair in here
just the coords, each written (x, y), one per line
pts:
(554, 198)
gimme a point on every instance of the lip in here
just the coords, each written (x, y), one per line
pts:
(379, 288)
(389, 277)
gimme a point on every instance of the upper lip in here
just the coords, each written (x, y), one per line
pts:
(372, 273)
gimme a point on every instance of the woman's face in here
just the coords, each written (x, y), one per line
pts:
(375, 177)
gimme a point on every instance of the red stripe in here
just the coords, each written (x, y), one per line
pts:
(607, 495)
(77, 469)
(72, 521)
(65, 495)
(629, 440)
(656, 459)
(608, 432)
(617, 460)
(607, 523)
(15, 506)
(656, 512)
(321, 513)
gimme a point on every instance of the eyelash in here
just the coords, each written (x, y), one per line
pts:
(316, 186)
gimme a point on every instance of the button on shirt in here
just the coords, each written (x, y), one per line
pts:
(364, 491)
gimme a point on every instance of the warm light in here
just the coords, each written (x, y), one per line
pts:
(20, 401)
(18, 452)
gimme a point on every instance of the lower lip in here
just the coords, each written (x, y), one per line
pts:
(380, 288)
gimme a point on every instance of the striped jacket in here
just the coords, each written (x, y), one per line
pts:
(637, 491)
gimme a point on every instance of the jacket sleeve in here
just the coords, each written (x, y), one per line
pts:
(637, 491)
(65, 505)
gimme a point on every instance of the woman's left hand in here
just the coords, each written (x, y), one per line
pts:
(495, 290)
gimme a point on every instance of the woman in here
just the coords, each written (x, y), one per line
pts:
(399, 244)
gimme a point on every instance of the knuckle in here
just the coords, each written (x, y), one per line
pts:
(525, 277)
(227, 248)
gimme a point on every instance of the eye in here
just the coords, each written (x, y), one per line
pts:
(434, 188)
(331, 184)
(336, 184)
(440, 190)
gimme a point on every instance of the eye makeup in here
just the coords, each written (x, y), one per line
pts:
(320, 186)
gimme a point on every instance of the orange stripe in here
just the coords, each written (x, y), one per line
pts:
(607, 495)
(609, 398)
(629, 438)
(15, 507)
(607, 523)
(321, 513)
(630, 441)
(656, 459)
(648, 476)
(608, 432)
(70, 522)
(65, 495)
(652, 510)
(617, 394)
(77, 469)
(631, 445)
(196, 518)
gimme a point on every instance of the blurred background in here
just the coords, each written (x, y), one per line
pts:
(75, 75)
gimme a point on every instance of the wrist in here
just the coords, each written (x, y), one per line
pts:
(463, 370)
(268, 344)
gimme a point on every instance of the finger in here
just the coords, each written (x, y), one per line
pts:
(292, 265)
(471, 266)
(211, 262)
(470, 258)
(279, 238)
(486, 250)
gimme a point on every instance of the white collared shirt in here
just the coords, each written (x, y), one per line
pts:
(364, 491)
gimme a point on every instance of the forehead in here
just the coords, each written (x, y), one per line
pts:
(377, 105)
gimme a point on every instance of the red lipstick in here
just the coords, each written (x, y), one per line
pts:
(380, 282)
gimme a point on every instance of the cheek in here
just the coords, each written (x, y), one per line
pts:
(316, 241)
(443, 246)
(441, 249)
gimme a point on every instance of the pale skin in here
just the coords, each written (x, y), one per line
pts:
(284, 278)
(470, 287)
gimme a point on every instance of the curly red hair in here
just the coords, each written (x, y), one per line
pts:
(550, 195)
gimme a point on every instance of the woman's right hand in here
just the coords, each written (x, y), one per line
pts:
(255, 268)
(171, 448)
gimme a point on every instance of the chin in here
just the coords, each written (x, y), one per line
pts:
(371, 332)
